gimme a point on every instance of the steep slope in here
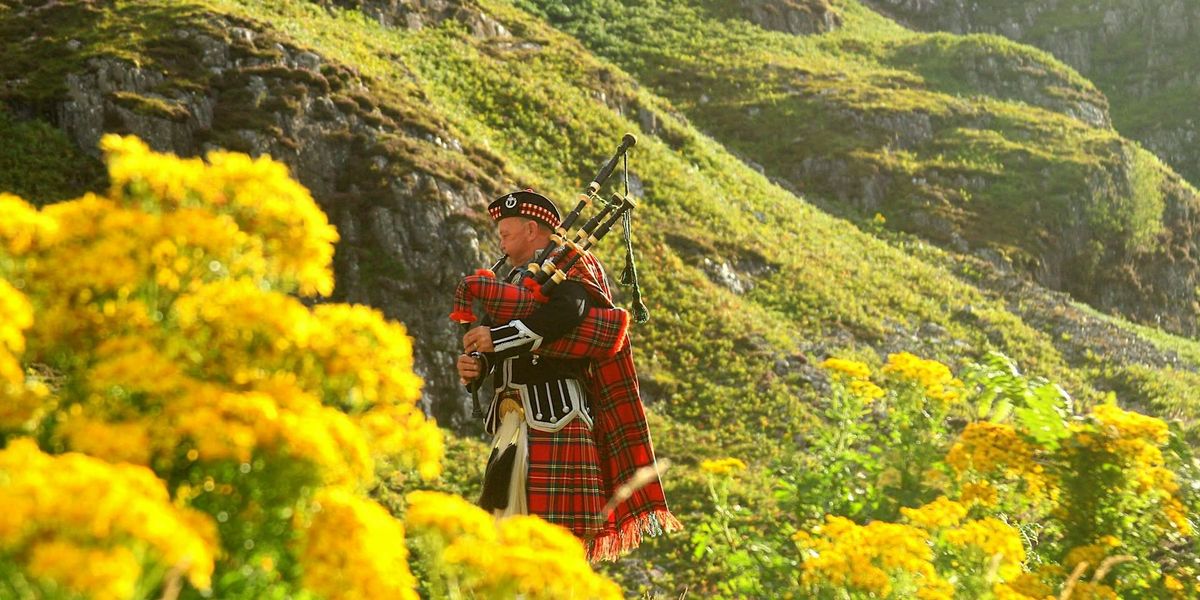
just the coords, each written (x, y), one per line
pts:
(971, 142)
(404, 132)
(1140, 54)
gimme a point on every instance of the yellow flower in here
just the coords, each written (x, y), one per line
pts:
(108, 506)
(22, 227)
(354, 550)
(448, 516)
(1027, 585)
(982, 492)
(935, 515)
(402, 431)
(257, 193)
(531, 559)
(722, 466)
(1093, 591)
(1172, 584)
(849, 368)
(1130, 425)
(993, 537)
(842, 554)
(1092, 554)
(520, 556)
(18, 316)
(866, 389)
(102, 574)
(936, 379)
(111, 441)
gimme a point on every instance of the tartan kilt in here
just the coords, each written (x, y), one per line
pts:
(564, 483)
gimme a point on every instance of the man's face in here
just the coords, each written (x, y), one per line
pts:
(520, 238)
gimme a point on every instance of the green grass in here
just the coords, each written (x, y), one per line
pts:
(39, 163)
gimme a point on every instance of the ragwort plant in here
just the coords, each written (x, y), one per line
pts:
(987, 485)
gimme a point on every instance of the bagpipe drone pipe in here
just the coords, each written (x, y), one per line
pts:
(602, 331)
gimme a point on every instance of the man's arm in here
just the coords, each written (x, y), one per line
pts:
(564, 311)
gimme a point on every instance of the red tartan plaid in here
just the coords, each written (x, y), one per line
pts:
(565, 485)
(622, 437)
(600, 335)
(502, 301)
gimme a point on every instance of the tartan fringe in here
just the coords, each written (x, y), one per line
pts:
(611, 545)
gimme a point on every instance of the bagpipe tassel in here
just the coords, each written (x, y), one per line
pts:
(641, 314)
(629, 273)
(629, 276)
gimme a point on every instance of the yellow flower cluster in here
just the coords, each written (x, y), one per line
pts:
(995, 448)
(985, 446)
(1122, 424)
(374, 353)
(857, 375)
(992, 537)
(99, 573)
(936, 379)
(22, 227)
(354, 550)
(284, 420)
(1034, 584)
(942, 512)
(1136, 443)
(867, 558)
(850, 368)
(115, 442)
(402, 432)
(78, 518)
(19, 407)
(18, 316)
(448, 516)
(176, 334)
(722, 466)
(521, 556)
(257, 193)
(1093, 554)
(981, 492)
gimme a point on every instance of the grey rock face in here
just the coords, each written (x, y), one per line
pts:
(417, 14)
(801, 17)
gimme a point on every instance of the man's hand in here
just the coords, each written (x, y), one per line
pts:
(478, 339)
(468, 368)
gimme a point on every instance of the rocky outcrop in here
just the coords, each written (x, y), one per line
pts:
(405, 196)
(416, 14)
(801, 17)
(1140, 53)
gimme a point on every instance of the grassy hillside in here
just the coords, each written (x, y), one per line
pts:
(1138, 53)
(719, 362)
(969, 141)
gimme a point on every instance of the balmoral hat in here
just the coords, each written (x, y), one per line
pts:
(526, 203)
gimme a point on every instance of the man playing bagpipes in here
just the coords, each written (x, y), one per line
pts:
(568, 424)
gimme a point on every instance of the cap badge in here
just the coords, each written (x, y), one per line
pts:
(510, 202)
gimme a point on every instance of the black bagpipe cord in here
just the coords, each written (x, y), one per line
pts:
(629, 275)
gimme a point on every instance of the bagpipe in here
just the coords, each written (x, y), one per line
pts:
(602, 332)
